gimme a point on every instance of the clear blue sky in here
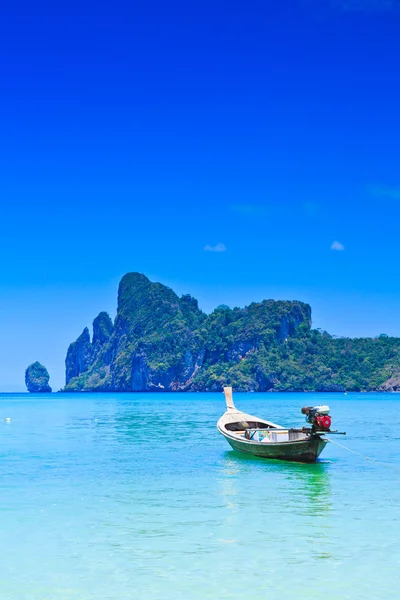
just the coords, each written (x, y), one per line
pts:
(137, 134)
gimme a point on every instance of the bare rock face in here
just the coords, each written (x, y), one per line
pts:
(173, 378)
(102, 329)
(392, 384)
(37, 379)
(79, 356)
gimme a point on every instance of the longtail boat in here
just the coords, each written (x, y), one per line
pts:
(252, 435)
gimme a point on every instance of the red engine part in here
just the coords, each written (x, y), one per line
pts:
(323, 422)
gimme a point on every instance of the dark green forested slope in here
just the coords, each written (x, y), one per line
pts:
(162, 342)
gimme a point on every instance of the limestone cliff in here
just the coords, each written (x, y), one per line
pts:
(79, 356)
(37, 379)
(160, 342)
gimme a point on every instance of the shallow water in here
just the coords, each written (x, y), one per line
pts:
(120, 496)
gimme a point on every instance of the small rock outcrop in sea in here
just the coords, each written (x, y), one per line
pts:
(37, 379)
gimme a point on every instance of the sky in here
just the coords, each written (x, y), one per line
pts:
(235, 150)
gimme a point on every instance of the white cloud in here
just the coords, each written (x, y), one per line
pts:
(337, 246)
(217, 248)
(385, 191)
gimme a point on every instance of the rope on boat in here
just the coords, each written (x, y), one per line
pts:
(378, 462)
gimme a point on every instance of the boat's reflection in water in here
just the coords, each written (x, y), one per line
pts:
(286, 499)
(308, 484)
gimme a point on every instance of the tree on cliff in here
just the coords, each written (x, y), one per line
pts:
(37, 378)
(162, 342)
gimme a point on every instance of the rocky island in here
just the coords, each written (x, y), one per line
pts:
(37, 379)
(162, 342)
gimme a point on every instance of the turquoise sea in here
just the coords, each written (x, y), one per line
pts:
(121, 496)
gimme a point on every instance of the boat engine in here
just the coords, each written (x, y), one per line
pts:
(318, 417)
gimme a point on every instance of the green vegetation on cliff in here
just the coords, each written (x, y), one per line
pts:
(154, 342)
(162, 342)
(312, 361)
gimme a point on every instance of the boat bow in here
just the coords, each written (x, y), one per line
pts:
(233, 415)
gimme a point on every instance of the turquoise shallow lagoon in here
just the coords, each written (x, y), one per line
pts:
(120, 496)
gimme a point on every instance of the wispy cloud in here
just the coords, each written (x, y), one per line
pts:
(366, 5)
(311, 209)
(250, 210)
(217, 248)
(325, 9)
(385, 191)
(355, 5)
(337, 246)
(261, 210)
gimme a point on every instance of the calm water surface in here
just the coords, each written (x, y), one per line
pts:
(114, 497)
